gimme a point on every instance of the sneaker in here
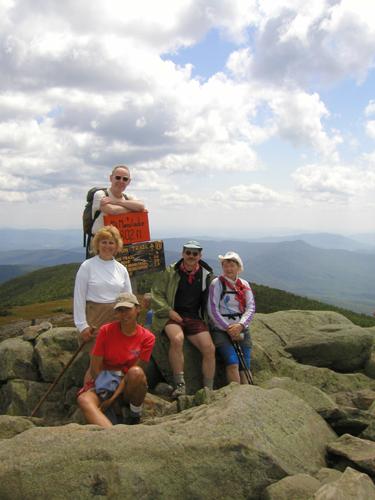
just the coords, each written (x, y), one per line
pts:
(179, 391)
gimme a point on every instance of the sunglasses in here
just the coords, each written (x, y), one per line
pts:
(195, 253)
(119, 178)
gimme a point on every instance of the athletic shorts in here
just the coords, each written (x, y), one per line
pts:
(190, 326)
(230, 357)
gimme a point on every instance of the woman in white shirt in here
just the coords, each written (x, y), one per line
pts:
(98, 282)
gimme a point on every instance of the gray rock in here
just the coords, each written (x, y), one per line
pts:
(354, 452)
(12, 330)
(352, 485)
(351, 420)
(19, 397)
(11, 426)
(163, 389)
(363, 399)
(298, 487)
(313, 396)
(32, 332)
(326, 475)
(341, 348)
(17, 360)
(370, 366)
(323, 378)
(277, 329)
(193, 363)
(252, 435)
(368, 432)
(54, 349)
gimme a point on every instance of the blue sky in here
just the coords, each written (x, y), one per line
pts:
(235, 117)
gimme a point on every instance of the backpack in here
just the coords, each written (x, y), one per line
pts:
(87, 218)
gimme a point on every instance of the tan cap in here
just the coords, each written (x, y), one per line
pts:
(126, 299)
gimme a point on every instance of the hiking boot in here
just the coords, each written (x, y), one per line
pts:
(133, 419)
(179, 391)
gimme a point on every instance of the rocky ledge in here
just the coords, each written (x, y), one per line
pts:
(305, 431)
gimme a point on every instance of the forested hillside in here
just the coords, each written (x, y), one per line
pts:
(57, 282)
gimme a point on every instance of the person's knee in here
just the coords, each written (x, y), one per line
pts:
(208, 349)
(136, 375)
(177, 341)
(83, 401)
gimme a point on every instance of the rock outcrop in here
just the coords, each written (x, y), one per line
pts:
(276, 439)
(244, 440)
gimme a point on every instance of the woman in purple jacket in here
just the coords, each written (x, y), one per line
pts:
(231, 308)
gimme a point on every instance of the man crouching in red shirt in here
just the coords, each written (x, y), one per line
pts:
(119, 357)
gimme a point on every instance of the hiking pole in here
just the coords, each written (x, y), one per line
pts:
(242, 361)
(57, 380)
(241, 357)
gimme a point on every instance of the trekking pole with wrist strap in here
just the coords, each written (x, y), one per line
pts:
(242, 361)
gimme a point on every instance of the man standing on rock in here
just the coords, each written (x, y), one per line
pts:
(179, 299)
(114, 202)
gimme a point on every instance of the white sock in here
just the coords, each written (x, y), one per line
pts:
(179, 378)
(136, 409)
(208, 382)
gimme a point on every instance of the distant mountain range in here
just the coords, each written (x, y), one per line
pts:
(56, 283)
(326, 240)
(340, 276)
(67, 239)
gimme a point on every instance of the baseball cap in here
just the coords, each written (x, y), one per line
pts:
(126, 299)
(193, 244)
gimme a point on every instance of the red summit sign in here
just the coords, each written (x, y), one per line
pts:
(133, 226)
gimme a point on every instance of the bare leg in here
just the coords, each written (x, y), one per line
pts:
(135, 385)
(243, 378)
(89, 403)
(203, 342)
(233, 374)
(176, 344)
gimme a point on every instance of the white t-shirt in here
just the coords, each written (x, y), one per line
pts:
(98, 281)
(99, 222)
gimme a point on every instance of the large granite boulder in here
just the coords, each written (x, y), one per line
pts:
(325, 379)
(246, 439)
(343, 348)
(17, 360)
(316, 398)
(271, 334)
(53, 350)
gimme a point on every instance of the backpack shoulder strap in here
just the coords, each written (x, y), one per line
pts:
(223, 287)
(97, 213)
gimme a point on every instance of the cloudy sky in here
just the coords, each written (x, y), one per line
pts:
(235, 116)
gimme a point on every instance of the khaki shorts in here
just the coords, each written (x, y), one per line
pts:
(96, 316)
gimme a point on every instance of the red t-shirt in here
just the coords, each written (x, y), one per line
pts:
(119, 351)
